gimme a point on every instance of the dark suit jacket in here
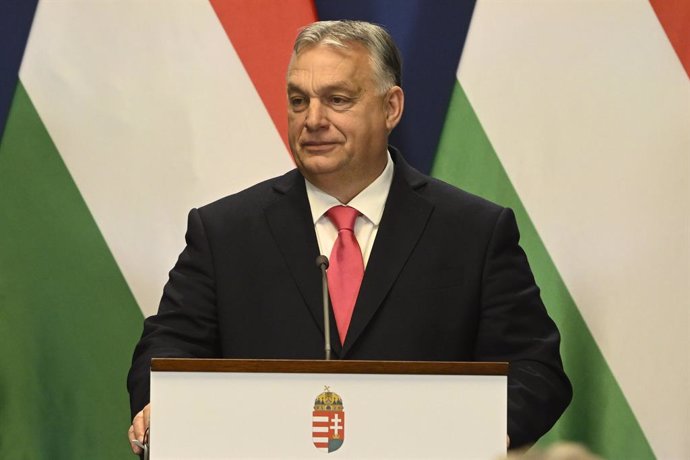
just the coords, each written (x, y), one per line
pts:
(446, 281)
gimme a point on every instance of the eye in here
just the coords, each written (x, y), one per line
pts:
(298, 103)
(338, 101)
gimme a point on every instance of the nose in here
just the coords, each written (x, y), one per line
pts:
(316, 117)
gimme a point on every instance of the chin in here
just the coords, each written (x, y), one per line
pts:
(315, 166)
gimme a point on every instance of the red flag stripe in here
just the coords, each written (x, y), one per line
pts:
(674, 16)
(262, 32)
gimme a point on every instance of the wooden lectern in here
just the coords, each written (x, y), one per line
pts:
(218, 408)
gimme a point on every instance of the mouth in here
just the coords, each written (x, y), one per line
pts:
(318, 146)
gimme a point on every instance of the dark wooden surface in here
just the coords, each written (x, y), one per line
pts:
(327, 367)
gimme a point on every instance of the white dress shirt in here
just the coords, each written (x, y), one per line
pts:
(369, 202)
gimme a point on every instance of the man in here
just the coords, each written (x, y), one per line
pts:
(421, 270)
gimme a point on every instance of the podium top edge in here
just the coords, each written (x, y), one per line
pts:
(328, 367)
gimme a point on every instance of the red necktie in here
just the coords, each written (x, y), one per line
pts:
(346, 267)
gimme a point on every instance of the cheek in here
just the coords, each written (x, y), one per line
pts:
(293, 136)
(361, 132)
(350, 129)
(294, 127)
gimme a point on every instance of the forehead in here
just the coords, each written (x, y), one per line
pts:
(323, 63)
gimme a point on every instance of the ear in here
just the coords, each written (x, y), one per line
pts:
(394, 104)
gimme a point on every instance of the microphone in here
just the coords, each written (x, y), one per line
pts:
(322, 264)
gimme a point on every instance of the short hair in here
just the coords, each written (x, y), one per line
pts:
(385, 56)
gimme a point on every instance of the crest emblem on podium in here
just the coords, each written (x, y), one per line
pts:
(328, 421)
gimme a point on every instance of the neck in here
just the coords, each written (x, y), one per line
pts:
(345, 188)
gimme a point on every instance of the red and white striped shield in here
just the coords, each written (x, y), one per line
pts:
(328, 421)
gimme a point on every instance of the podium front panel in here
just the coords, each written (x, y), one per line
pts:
(213, 415)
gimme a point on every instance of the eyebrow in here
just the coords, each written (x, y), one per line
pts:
(332, 87)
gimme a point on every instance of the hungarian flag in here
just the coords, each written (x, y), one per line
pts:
(118, 117)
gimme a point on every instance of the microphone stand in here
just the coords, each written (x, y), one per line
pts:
(322, 263)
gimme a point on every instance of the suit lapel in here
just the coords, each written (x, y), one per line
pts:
(292, 227)
(402, 224)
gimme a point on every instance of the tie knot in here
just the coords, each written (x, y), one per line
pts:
(343, 217)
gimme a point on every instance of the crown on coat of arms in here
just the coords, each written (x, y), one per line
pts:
(328, 401)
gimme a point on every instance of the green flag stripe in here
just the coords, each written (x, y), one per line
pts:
(599, 415)
(68, 321)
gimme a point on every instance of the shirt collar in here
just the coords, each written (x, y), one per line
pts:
(370, 201)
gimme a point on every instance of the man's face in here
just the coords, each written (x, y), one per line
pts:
(338, 122)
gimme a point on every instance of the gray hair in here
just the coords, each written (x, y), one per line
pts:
(385, 56)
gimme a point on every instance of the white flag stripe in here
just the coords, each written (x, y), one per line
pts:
(319, 429)
(153, 113)
(320, 418)
(605, 113)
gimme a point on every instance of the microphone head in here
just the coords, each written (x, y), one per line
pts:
(322, 261)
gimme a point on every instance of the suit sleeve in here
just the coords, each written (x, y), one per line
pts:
(186, 323)
(515, 327)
